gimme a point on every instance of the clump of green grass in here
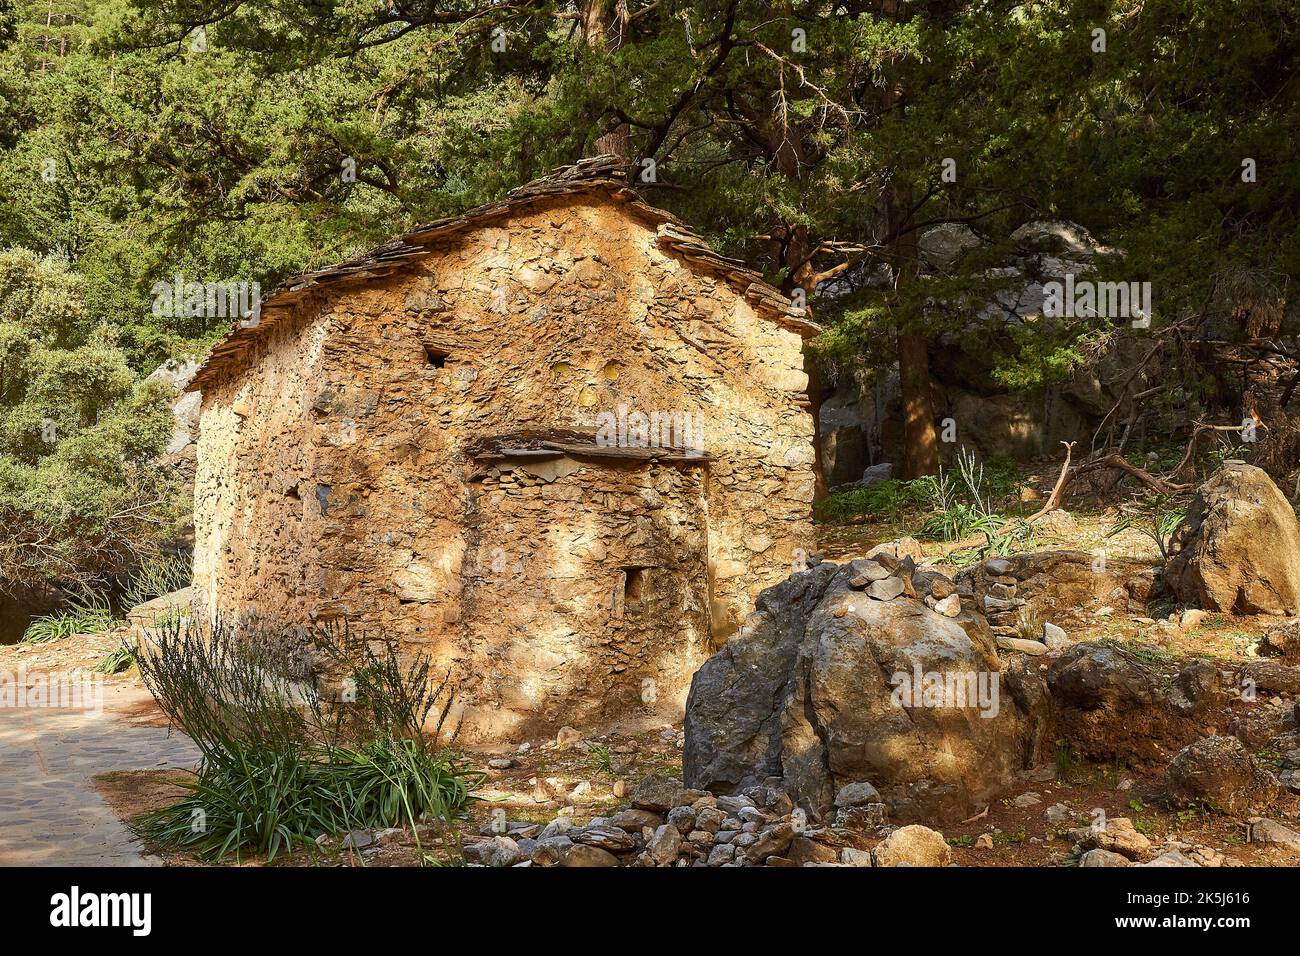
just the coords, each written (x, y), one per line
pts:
(302, 734)
(1028, 625)
(116, 661)
(960, 502)
(890, 500)
(1144, 653)
(600, 760)
(1067, 765)
(1157, 517)
(89, 613)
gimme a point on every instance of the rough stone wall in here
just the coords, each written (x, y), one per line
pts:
(586, 592)
(255, 526)
(545, 320)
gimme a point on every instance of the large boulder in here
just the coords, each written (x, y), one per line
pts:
(1220, 773)
(815, 691)
(1241, 546)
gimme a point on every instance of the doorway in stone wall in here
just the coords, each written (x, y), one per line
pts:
(586, 591)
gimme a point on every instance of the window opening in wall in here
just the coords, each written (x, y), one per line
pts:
(634, 585)
(436, 357)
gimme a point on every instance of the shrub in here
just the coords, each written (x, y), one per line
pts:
(887, 500)
(89, 613)
(302, 733)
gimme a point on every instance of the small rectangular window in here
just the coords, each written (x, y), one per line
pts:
(635, 584)
(436, 357)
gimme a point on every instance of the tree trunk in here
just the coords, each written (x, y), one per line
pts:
(603, 22)
(920, 441)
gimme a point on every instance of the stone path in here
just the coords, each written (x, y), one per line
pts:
(50, 812)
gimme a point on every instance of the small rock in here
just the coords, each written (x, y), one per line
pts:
(1169, 858)
(500, 763)
(1102, 858)
(581, 854)
(614, 839)
(1021, 646)
(773, 841)
(358, 839)
(984, 841)
(657, 793)
(949, 606)
(1270, 831)
(865, 572)
(886, 589)
(665, 846)
(499, 851)
(709, 819)
(1055, 638)
(913, 845)
(1058, 813)
(1192, 617)
(850, 856)
(941, 587)
(803, 850)
(734, 805)
(634, 820)
(720, 854)
(567, 737)
(1119, 836)
(857, 795)
(866, 817)
(1030, 799)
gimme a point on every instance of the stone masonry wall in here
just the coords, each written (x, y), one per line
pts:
(255, 527)
(594, 581)
(546, 320)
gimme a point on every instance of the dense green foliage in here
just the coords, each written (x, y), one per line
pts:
(78, 429)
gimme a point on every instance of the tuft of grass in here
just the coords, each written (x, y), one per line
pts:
(890, 500)
(600, 760)
(116, 661)
(302, 734)
(89, 613)
(1144, 653)
(1028, 625)
(1157, 517)
(1067, 765)
(960, 521)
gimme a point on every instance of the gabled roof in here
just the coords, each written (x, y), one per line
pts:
(601, 174)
